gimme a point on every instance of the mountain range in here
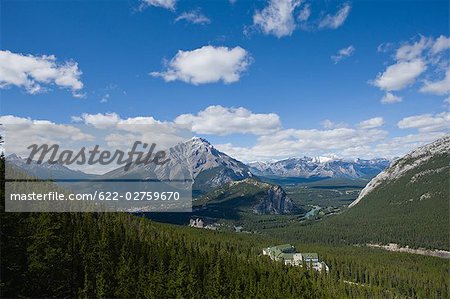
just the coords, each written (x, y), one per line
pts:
(321, 167)
(46, 170)
(210, 168)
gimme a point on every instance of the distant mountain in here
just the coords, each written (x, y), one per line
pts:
(46, 170)
(320, 167)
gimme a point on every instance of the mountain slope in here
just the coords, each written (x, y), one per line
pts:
(407, 204)
(320, 167)
(410, 163)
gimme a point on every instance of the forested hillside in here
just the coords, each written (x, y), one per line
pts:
(408, 204)
(124, 256)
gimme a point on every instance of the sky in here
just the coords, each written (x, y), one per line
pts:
(261, 80)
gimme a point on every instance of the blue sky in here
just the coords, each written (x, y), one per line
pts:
(263, 56)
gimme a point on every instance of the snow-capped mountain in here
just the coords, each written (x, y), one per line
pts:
(307, 167)
(409, 163)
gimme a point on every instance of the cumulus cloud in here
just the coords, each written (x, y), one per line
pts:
(336, 20)
(194, 17)
(424, 57)
(426, 122)
(107, 120)
(121, 132)
(297, 143)
(372, 123)
(442, 43)
(167, 4)
(365, 139)
(220, 120)
(390, 98)
(217, 120)
(99, 120)
(395, 147)
(207, 64)
(20, 132)
(36, 73)
(441, 87)
(277, 18)
(328, 124)
(343, 53)
(400, 75)
(412, 51)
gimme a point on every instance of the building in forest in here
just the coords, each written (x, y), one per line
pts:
(289, 255)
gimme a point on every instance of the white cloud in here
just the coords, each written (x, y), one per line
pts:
(390, 98)
(400, 75)
(107, 120)
(98, 120)
(305, 13)
(215, 120)
(335, 21)
(426, 122)
(412, 60)
(441, 87)
(194, 17)
(167, 4)
(207, 64)
(121, 132)
(412, 51)
(22, 132)
(372, 123)
(35, 73)
(277, 18)
(220, 120)
(442, 43)
(328, 124)
(297, 143)
(365, 139)
(397, 146)
(343, 53)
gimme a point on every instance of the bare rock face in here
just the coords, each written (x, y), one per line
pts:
(275, 202)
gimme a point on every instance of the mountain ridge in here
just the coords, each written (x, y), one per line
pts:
(400, 166)
(308, 167)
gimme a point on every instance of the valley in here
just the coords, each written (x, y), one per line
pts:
(337, 217)
(336, 211)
